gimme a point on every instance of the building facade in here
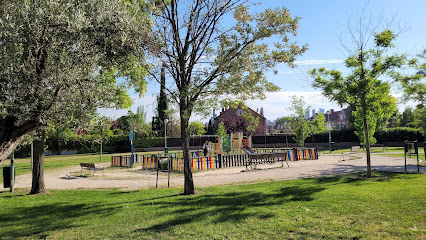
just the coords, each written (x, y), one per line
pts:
(234, 116)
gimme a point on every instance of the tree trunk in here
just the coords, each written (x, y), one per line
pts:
(367, 141)
(187, 171)
(38, 163)
(12, 135)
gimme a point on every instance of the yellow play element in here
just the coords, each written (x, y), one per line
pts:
(238, 141)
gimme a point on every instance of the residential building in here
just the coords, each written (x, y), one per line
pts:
(235, 114)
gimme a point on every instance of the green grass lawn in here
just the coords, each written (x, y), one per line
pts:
(387, 206)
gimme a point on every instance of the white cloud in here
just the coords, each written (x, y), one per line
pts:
(318, 61)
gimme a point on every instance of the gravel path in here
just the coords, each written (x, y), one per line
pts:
(135, 178)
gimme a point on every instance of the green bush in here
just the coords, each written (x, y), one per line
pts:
(142, 142)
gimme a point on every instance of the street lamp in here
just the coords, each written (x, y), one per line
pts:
(329, 130)
(165, 136)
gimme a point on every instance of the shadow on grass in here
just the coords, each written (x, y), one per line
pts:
(38, 221)
(358, 177)
(227, 207)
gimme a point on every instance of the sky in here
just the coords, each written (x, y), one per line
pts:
(322, 26)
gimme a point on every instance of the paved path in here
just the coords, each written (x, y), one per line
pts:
(124, 178)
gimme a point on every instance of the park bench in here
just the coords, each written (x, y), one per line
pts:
(348, 156)
(91, 167)
(259, 158)
(355, 148)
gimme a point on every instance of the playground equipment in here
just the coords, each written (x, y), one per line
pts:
(241, 154)
(200, 163)
(238, 142)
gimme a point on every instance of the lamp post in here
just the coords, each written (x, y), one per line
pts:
(329, 130)
(165, 135)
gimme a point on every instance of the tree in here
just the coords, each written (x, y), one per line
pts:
(61, 58)
(407, 117)
(159, 121)
(206, 59)
(366, 94)
(300, 124)
(197, 128)
(415, 86)
(317, 125)
(101, 124)
(286, 123)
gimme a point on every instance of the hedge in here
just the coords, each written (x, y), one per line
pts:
(121, 143)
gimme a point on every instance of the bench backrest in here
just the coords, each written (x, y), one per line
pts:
(87, 165)
(355, 148)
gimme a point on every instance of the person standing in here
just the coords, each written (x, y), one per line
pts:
(206, 147)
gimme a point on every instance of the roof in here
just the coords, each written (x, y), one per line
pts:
(334, 116)
(232, 111)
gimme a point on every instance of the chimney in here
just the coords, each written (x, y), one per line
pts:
(332, 110)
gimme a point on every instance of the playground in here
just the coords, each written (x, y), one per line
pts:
(137, 178)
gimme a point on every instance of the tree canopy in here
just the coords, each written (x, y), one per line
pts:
(60, 60)
(362, 89)
(208, 59)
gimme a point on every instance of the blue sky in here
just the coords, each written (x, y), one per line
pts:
(321, 24)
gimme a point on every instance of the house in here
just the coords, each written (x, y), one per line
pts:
(338, 119)
(233, 116)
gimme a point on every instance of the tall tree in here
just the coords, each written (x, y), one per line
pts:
(317, 125)
(61, 58)
(301, 129)
(162, 106)
(197, 128)
(407, 117)
(362, 89)
(207, 59)
(415, 86)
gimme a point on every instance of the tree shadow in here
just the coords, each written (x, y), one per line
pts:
(38, 221)
(357, 177)
(227, 207)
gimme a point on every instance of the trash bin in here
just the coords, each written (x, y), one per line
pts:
(6, 175)
(332, 146)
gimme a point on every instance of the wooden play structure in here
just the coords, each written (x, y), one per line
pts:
(238, 142)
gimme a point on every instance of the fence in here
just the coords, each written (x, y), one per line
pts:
(200, 163)
(121, 161)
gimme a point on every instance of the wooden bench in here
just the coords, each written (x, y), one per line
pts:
(90, 167)
(349, 156)
(355, 148)
(260, 158)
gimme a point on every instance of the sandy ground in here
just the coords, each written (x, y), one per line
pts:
(135, 178)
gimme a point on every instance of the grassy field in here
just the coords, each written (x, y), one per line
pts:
(387, 206)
